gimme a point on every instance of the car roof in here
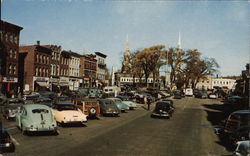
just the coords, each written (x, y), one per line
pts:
(30, 107)
(64, 103)
(242, 112)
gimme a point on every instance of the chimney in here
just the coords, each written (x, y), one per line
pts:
(38, 43)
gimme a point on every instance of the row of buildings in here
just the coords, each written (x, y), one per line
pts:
(45, 67)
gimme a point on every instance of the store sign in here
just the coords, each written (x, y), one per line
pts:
(10, 79)
(41, 79)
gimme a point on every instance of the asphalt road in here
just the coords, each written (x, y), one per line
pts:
(188, 132)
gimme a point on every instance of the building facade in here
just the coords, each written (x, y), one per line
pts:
(36, 66)
(9, 55)
(64, 70)
(101, 69)
(55, 67)
(74, 70)
(205, 83)
(88, 71)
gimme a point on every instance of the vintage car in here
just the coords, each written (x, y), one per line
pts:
(29, 99)
(240, 134)
(122, 106)
(36, 117)
(63, 98)
(44, 100)
(108, 107)
(6, 144)
(212, 96)
(68, 113)
(171, 102)
(48, 94)
(125, 99)
(89, 107)
(201, 95)
(163, 109)
(11, 107)
(177, 94)
(243, 148)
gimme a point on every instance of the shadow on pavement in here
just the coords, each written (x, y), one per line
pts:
(216, 114)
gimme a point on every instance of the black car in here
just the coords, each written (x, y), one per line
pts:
(108, 107)
(240, 134)
(44, 100)
(177, 94)
(171, 102)
(163, 109)
(6, 145)
(201, 95)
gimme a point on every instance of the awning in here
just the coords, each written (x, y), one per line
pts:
(64, 84)
(42, 84)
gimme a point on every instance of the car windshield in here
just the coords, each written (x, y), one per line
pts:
(67, 107)
(40, 111)
(162, 106)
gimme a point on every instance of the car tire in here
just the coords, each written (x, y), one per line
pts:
(11, 148)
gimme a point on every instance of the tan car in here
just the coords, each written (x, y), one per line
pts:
(89, 107)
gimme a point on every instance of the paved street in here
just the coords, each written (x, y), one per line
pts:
(188, 132)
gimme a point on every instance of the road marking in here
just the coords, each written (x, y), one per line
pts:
(14, 140)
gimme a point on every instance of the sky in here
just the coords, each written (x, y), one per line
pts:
(218, 29)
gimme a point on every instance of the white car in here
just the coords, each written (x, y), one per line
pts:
(67, 112)
(212, 96)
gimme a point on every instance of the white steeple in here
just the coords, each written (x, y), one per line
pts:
(179, 41)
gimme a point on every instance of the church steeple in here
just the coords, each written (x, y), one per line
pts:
(126, 65)
(179, 41)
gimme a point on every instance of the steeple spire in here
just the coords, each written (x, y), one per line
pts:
(179, 41)
(126, 46)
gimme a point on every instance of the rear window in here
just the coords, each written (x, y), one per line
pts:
(40, 111)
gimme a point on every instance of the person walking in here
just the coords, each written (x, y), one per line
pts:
(149, 103)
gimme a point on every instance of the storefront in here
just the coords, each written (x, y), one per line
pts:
(64, 83)
(41, 83)
(54, 84)
(74, 83)
(9, 86)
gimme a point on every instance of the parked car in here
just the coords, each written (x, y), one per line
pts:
(44, 100)
(11, 107)
(89, 107)
(171, 102)
(236, 120)
(189, 92)
(201, 95)
(67, 112)
(108, 107)
(126, 100)
(63, 98)
(212, 96)
(48, 94)
(6, 144)
(177, 94)
(163, 109)
(122, 106)
(243, 148)
(29, 99)
(36, 117)
(232, 100)
(240, 134)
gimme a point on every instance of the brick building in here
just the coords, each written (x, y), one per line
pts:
(64, 70)
(88, 70)
(36, 67)
(9, 50)
(55, 67)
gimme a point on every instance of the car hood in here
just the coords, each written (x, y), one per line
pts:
(129, 103)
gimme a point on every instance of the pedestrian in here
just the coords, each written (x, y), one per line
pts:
(149, 103)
